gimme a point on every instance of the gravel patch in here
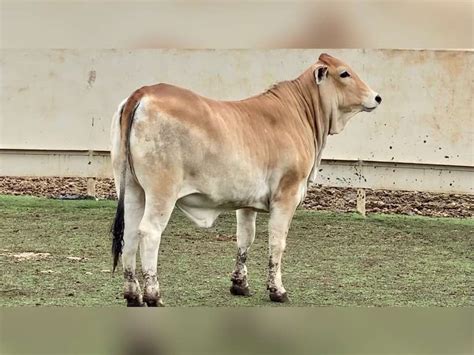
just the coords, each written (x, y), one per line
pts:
(318, 198)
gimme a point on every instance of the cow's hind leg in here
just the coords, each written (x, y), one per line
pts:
(245, 236)
(134, 206)
(158, 209)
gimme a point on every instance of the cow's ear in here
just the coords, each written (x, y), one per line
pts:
(320, 73)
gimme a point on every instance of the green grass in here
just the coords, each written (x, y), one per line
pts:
(332, 259)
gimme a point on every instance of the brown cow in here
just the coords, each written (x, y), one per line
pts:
(172, 147)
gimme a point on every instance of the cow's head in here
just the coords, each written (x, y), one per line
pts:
(343, 94)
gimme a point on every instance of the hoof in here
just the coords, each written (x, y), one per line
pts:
(134, 301)
(153, 302)
(238, 290)
(279, 297)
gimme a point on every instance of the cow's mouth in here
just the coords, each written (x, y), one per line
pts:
(368, 109)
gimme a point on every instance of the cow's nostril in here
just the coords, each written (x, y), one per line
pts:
(378, 99)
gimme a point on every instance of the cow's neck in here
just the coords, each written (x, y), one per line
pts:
(318, 119)
(304, 94)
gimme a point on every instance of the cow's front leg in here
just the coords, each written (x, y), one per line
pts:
(281, 213)
(245, 236)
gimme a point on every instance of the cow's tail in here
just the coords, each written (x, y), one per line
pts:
(124, 157)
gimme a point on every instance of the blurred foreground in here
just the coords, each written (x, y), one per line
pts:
(232, 331)
(236, 24)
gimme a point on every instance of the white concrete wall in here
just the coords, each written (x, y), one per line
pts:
(63, 100)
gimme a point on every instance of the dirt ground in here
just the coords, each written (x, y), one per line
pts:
(318, 198)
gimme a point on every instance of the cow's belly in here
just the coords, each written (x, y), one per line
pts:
(203, 217)
(204, 208)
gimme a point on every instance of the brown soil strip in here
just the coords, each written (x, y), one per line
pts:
(318, 198)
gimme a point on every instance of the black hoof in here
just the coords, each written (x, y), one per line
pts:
(153, 302)
(279, 297)
(134, 302)
(238, 290)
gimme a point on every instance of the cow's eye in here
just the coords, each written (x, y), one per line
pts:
(344, 74)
